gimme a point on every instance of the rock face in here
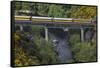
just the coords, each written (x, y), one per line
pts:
(61, 45)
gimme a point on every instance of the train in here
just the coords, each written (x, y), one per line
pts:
(52, 19)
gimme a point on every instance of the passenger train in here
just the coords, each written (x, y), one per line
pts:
(52, 19)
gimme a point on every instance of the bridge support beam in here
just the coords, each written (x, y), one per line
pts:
(21, 28)
(46, 34)
(82, 34)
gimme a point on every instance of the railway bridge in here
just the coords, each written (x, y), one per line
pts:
(62, 23)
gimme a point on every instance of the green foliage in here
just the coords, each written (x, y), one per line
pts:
(26, 6)
(46, 51)
(85, 12)
(21, 57)
(54, 10)
(75, 38)
(33, 52)
(71, 11)
(22, 6)
(18, 5)
(37, 28)
(83, 51)
(42, 9)
(17, 38)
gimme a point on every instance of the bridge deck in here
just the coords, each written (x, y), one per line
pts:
(52, 21)
(68, 23)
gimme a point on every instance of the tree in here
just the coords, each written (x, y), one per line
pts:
(42, 9)
(86, 12)
(83, 51)
(56, 11)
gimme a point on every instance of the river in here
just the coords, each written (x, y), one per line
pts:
(61, 44)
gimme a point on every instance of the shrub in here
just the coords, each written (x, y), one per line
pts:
(83, 51)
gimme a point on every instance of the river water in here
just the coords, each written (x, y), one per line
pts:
(61, 44)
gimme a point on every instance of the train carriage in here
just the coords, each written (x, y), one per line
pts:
(52, 19)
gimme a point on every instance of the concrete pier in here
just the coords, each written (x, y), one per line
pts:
(46, 34)
(21, 28)
(82, 34)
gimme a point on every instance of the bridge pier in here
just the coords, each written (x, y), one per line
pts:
(21, 28)
(82, 34)
(46, 34)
